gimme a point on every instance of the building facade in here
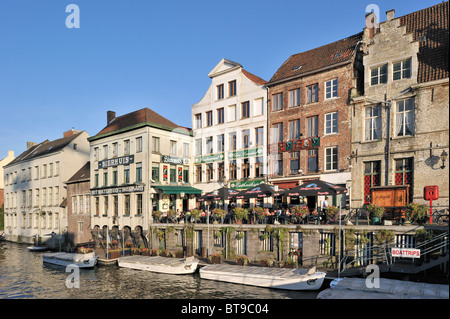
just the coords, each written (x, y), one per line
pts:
(78, 207)
(35, 189)
(3, 177)
(230, 130)
(309, 119)
(400, 125)
(140, 163)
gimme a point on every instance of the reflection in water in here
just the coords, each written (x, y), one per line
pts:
(23, 275)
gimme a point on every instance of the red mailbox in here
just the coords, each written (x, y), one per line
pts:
(431, 192)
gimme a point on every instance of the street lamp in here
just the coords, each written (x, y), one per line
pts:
(443, 158)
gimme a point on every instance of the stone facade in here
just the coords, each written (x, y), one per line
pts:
(400, 126)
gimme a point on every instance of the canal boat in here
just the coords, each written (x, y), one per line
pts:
(159, 264)
(37, 248)
(359, 288)
(277, 278)
(64, 259)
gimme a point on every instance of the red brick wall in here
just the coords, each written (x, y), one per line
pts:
(302, 112)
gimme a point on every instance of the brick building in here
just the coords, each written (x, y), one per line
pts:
(400, 126)
(309, 119)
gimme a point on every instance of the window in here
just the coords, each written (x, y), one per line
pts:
(155, 144)
(198, 120)
(312, 93)
(312, 160)
(220, 116)
(186, 176)
(97, 205)
(294, 97)
(138, 172)
(232, 140)
(115, 205)
(220, 171)
(245, 110)
(232, 88)
(331, 89)
(277, 102)
(277, 161)
(198, 173)
(105, 151)
(232, 169)
(126, 174)
(115, 147)
(220, 143)
(245, 138)
(186, 149)
(173, 175)
(312, 126)
(402, 70)
(372, 177)
(209, 172)
(258, 106)
(372, 123)
(404, 174)
(404, 118)
(50, 170)
(245, 168)
(105, 206)
(198, 146)
(209, 145)
(139, 204)
(105, 178)
(96, 179)
(331, 123)
(173, 147)
(294, 129)
(56, 168)
(277, 132)
(126, 147)
(115, 180)
(138, 144)
(126, 209)
(44, 171)
(96, 152)
(209, 118)
(294, 162)
(259, 166)
(220, 95)
(331, 158)
(259, 136)
(378, 75)
(155, 174)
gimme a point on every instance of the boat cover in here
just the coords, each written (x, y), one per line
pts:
(77, 258)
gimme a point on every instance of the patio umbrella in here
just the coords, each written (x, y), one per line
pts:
(223, 193)
(260, 191)
(315, 188)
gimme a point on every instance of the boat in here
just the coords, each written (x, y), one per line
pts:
(277, 278)
(2, 236)
(357, 288)
(37, 248)
(159, 264)
(64, 259)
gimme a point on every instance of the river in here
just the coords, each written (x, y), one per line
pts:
(24, 276)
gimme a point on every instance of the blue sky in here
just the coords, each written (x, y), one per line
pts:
(127, 55)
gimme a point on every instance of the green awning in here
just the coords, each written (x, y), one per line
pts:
(178, 189)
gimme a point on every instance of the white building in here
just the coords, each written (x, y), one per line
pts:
(140, 163)
(4, 162)
(230, 130)
(34, 186)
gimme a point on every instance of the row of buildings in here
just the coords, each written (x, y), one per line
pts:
(368, 110)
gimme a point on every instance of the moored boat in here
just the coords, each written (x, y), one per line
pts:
(166, 265)
(37, 248)
(358, 288)
(64, 259)
(278, 278)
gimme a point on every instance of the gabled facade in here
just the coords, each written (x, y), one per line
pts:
(35, 186)
(400, 125)
(230, 130)
(309, 119)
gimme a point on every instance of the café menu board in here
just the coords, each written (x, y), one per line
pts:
(123, 160)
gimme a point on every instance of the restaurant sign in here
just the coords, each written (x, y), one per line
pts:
(172, 159)
(209, 158)
(117, 190)
(250, 152)
(123, 160)
(246, 184)
(295, 145)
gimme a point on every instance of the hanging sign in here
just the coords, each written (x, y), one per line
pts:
(405, 252)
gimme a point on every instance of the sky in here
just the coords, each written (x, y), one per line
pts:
(127, 55)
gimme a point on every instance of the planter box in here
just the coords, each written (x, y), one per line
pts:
(178, 254)
(215, 260)
(113, 254)
(145, 253)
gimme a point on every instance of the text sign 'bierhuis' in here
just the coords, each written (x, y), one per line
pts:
(123, 160)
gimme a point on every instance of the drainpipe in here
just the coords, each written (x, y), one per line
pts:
(267, 135)
(388, 140)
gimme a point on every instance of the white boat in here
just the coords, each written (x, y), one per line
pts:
(166, 265)
(64, 259)
(37, 248)
(278, 278)
(358, 288)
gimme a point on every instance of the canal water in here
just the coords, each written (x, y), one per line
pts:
(24, 276)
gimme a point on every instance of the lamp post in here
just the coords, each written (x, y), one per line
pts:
(443, 158)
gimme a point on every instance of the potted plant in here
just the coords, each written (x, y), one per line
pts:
(219, 214)
(114, 244)
(240, 214)
(196, 214)
(215, 258)
(145, 252)
(375, 213)
(114, 253)
(135, 251)
(85, 250)
(300, 212)
(290, 263)
(333, 214)
(259, 213)
(266, 262)
(157, 215)
(416, 213)
(171, 214)
(155, 252)
(242, 260)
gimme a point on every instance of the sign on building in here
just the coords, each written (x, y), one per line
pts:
(405, 252)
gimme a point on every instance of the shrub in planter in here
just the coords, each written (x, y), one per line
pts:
(215, 258)
(242, 260)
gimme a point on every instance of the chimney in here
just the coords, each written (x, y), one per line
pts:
(70, 132)
(390, 15)
(30, 144)
(371, 24)
(110, 116)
